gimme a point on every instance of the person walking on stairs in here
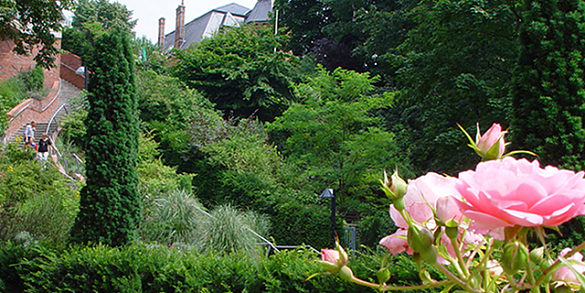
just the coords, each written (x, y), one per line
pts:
(43, 149)
(29, 134)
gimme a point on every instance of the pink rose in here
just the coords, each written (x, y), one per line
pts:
(422, 197)
(330, 256)
(448, 210)
(495, 269)
(565, 276)
(397, 242)
(518, 192)
(422, 194)
(494, 137)
(332, 260)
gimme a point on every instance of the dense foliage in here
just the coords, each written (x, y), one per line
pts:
(241, 72)
(333, 136)
(36, 204)
(548, 91)
(110, 203)
(93, 18)
(33, 23)
(160, 269)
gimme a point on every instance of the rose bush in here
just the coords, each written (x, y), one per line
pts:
(475, 228)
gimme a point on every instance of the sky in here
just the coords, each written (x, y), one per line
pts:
(149, 11)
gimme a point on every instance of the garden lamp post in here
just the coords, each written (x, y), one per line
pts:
(328, 193)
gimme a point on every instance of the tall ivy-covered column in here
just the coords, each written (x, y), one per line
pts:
(110, 203)
(548, 93)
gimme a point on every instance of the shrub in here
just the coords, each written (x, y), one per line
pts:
(110, 209)
(163, 269)
(35, 204)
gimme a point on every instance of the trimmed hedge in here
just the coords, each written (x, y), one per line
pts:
(163, 269)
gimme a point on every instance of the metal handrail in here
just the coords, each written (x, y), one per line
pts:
(55, 97)
(55, 115)
(18, 113)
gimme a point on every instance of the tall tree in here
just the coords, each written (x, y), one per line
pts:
(92, 18)
(548, 95)
(29, 23)
(110, 202)
(335, 138)
(304, 20)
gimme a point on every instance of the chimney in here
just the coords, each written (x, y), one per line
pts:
(161, 31)
(180, 26)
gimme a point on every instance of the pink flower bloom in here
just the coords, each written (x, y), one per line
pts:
(518, 192)
(422, 197)
(494, 268)
(448, 210)
(397, 242)
(422, 194)
(493, 136)
(330, 256)
(565, 276)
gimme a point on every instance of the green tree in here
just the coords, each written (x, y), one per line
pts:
(92, 18)
(456, 68)
(240, 70)
(334, 136)
(303, 20)
(110, 202)
(29, 23)
(548, 95)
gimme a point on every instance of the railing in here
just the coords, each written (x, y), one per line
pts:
(54, 97)
(276, 247)
(55, 115)
(28, 111)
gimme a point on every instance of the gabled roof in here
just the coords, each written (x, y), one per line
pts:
(233, 8)
(228, 15)
(260, 12)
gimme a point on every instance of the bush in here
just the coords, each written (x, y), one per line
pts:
(160, 269)
(296, 224)
(35, 204)
(33, 80)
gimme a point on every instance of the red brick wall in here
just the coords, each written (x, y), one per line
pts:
(42, 111)
(69, 64)
(11, 63)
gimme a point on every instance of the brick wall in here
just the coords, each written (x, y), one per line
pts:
(11, 63)
(69, 65)
(41, 111)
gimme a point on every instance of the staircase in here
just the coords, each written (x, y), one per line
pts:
(40, 129)
(67, 92)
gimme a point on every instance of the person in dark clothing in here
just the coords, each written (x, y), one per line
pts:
(43, 148)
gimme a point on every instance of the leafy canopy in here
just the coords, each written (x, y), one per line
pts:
(32, 23)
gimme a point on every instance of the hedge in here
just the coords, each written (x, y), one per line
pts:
(164, 269)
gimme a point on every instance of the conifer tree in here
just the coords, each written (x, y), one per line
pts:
(548, 93)
(110, 202)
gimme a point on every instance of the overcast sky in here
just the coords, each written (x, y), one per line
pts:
(149, 11)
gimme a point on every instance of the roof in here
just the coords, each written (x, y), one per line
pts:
(228, 15)
(260, 12)
(233, 8)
